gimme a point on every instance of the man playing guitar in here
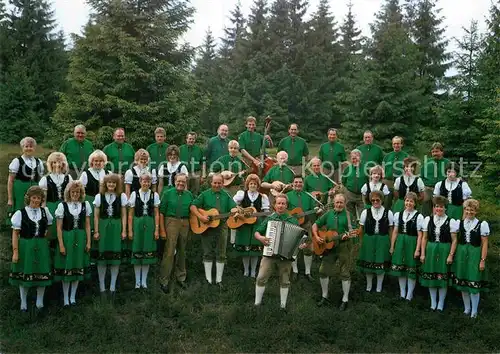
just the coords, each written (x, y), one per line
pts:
(279, 175)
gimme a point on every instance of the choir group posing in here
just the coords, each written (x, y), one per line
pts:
(135, 207)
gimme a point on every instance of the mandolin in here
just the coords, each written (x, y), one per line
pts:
(199, 227)
(284, 188)
(329, 239)
(249, 217)
(228, 179)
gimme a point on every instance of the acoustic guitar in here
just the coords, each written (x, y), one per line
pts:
(214, 219)
(300, 214)
(248, 217)
(329, 238)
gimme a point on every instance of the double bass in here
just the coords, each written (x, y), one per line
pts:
(266, 162)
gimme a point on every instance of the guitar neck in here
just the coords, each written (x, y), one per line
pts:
(220, 216)
(309, 212)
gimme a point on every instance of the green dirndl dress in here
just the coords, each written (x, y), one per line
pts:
(110, 232)
(466, 275)
(33, 267)
(245, 244)
(403, 262)
(374, 256)
(434, 272)
(143, 246)
(75, 264)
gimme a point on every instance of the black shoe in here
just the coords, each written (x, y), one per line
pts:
(343, 306)
(219, 284)
(165, 288)
(293, 277)
(283, 310)
(323, 302)
(182, 284)
(310, 278)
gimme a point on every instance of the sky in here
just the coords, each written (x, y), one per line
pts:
(214, 14)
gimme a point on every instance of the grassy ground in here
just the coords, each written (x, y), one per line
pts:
(204, 319)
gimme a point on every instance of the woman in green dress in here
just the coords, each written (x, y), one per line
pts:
(376, 225)
(31, 263)
(73, 236)
(374, 184)
(24, 172)
(143, 228)
(469, 271)
(110, 222)
(54, 185)
(455, 190)
(408, 182)
(405, 246)
(245, 244)
(438, 248)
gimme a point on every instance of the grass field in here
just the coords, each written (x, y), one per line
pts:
(205, 319)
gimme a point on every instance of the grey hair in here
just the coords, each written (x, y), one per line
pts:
(80, 126)
(27, 139)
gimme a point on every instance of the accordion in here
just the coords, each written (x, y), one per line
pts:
(285, 239)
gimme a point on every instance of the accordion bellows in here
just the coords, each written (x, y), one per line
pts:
(285, 239)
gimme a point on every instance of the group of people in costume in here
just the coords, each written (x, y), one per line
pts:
(122, 206)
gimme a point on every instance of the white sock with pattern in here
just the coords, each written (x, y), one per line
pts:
(40, 291)
(283, 296)
(23, 294)
(402, 286)
(253, 270)
(466, 300)
(208, 271)
(346, 287)
(369, 281)
(324, 286)
(219, 270)
(74, 288)
(101, 271)
(442, 297)
(144, 276)
(65, 287)
(137, 272)
(380, 282)
(474, 298)
(411, 288)
(246, 266)
(308, 260)
(433, 294)
(114, 275)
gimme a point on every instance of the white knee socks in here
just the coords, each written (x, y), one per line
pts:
(308, 263)
(411, 287)
(219, 270)
(23, 294)
(475, 304)
(101, 271)
(402, 286)
(380, 281)
(208, 271)
(65, 286)
(137, 272)
(466, 299)
(442, 297)
(324, 286)
(369, 281)
(144, 276)
(253, 270)
(295, 269)
(259, 293)
(114, 275)
(40, 291)
(283, 296)
(246, 266)
(433, 294)
(346, 286)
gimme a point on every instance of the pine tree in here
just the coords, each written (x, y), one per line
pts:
(233, 35)
(127, 70)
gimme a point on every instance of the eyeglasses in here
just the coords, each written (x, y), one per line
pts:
(375, 200)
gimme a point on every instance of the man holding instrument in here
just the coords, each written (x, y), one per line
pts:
(214, 240)
(338, 220)
(267, 263)
(231, 168)
(279, 175)
(318, 184)
(252, 142)
(297, 198)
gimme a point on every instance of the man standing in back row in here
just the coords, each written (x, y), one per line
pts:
(217, 146)
(77, 151)
(296, 147)
(158, 149)
(191, 155)
(120, 154)
(371, 154)
(251, 142)
(393, 168)
(332, 153)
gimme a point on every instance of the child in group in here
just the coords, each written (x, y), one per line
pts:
(141, 166)
(110, 222)
(405, 245)
(54, 185)
(469, 272)
(143, 228)
(376, 225)
(438, 247)
(73, 235)
(409, 182)
(31, 263)
(24, 172)
(375, 184)
(455, 190)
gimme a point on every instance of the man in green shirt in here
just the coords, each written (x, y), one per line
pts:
(332, 154)
(120, 154)
(297, 149)
(371, 154)
(77, 151)
(339, 220)
(191, 156)
(231, 166)
(217, 198)
(433, 171)
(251, 142)
(353, 178)
(279, 176)
(158, 149)
(317, 183)
(217, 146)
(267, 263)
(393, 168)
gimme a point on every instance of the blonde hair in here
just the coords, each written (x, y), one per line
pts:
(377, 168)
(71, 186)
(140, 153)
(160, 130)
(33, 191)
(251, 119)
(281, 196)
(112, 177)
(96, 154)
(26, 140)
(397, 137)
(472, 203)
(57, 157)
(252, 178)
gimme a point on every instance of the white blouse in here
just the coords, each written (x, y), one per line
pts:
(377, 215)
(171, 169)
(97, 174)
(74, 209)
(145, 197)
(451, 186)
(408, 216)
(129, 176)
(30, 162)
(238, 198)
(409, 181)
(374, 187)
(33, 213)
